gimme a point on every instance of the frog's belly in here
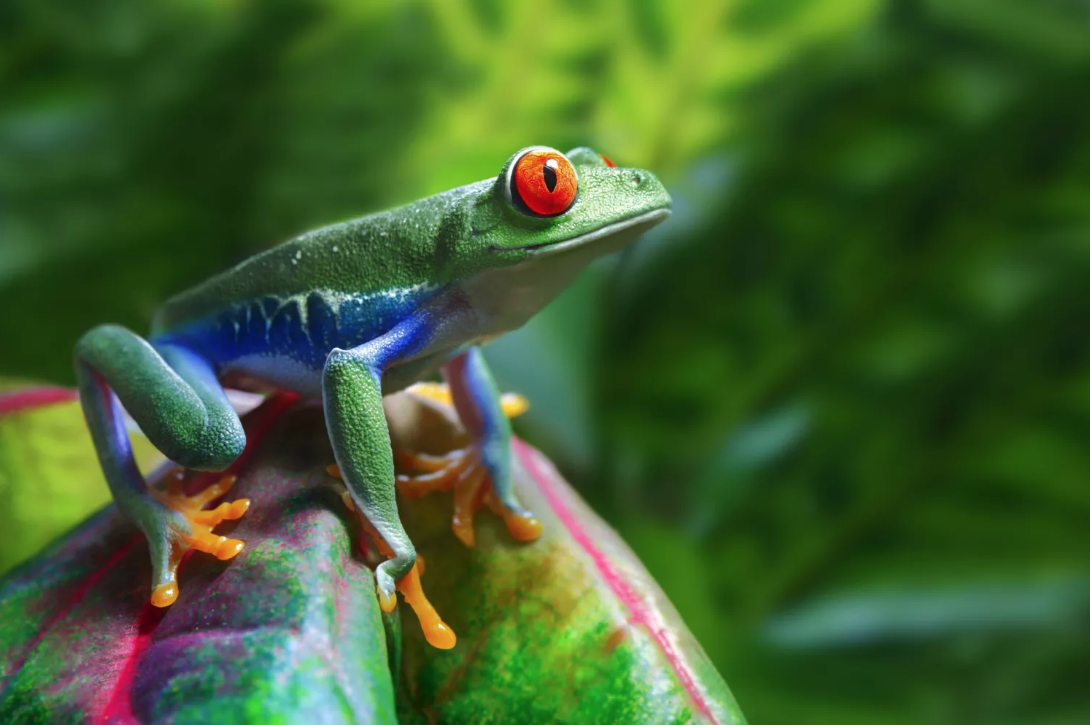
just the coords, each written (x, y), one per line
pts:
(278, 371)
(288, 373)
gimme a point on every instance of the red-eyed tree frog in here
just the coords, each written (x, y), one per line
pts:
(346, 314)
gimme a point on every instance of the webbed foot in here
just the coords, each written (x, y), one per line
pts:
(183, 524)
(462, 472)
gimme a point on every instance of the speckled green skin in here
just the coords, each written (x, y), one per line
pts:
(348, 313)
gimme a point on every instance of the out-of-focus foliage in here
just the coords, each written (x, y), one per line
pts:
(145, 147)
(861, 385)
(45, 482)
(840, 404)
(41, 453)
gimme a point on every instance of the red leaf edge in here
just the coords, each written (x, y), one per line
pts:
(118, 708)
(20, 400)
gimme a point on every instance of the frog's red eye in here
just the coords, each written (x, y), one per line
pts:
(544, 181)
(609, 161)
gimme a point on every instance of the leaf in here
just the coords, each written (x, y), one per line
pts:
(46, 482)
(567, 629)
(570, 628)
(290, 630)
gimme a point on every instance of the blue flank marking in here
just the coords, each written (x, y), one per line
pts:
(270, 326)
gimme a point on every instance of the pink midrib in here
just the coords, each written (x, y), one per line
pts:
(640, 613)
(117, 708)
(114, 706)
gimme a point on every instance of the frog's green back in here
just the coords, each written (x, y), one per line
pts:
(479, 241)
(387, 252)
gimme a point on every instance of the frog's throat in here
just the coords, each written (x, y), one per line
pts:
(503, 298)
(648, 219)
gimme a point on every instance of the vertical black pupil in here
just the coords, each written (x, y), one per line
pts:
(550, 177)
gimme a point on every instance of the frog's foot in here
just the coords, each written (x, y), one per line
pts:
(462, 472)
(436, 631)
(513, 404)
(190, 527)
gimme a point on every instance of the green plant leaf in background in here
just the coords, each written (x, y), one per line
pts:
(46, 485)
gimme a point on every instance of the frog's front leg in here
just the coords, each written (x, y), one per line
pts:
(356, 422)
(174, 396)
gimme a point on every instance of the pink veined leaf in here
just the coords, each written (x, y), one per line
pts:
(569, 628)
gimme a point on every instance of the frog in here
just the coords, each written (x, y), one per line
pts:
(345, 315)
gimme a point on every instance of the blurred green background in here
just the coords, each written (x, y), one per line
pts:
(839, 404)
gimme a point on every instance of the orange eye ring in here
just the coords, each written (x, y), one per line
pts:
(543, 183)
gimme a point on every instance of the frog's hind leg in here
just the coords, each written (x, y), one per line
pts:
(174, 396)
(481, 473)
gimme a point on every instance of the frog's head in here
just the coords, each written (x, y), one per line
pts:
(544, 202)
(543, 219)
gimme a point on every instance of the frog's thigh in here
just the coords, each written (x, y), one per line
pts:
(172, 394)
(220, 440)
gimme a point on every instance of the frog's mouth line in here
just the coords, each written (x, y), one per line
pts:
(649, 218)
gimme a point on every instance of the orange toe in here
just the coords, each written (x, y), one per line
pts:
(523, 527)
(201, 523)
(164, 594)
(229, 549)
(436, 631)
(468, 493)
(386, 602)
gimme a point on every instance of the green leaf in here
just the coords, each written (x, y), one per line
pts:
(569, 628)
(47, 478)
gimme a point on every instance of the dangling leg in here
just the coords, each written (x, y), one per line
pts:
(352, 397)
(487, 460)
(175, 398)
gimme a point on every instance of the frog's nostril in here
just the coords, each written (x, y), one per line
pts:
(639, 179)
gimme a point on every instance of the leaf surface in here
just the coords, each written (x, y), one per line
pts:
(569, 628)
(289, 630)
